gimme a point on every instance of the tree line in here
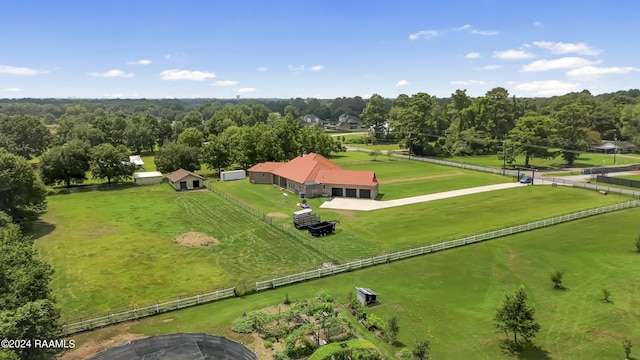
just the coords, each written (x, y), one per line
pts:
(503, 125)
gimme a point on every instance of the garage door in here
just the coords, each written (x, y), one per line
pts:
(336, 191)
(351, 193)
(365, 194)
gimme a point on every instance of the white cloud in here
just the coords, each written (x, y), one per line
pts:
(463, 27)
(512, 55)
(402, 83)
(537, 24)
(140, 62)
(424, 34)
(490, 67)
(296, 68)
(246, 90)
(15, 70)
(593, 72)
(467, 82)
(548, 87)
(168, 56)
(225, 83)
(562, 63)
(484, 32)
(177, 74)
(566, 48)
(112, 73)
(13, 89)
(472, 55)
(113, 96)
(317, 68)
(262, 69)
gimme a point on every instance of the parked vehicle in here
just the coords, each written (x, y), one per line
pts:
(526, 180)
(302, 219)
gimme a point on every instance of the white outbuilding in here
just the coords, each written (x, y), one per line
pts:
(233, 175)
(147, 178)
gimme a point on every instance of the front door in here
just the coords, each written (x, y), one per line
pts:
(196, 184)
(183, 185)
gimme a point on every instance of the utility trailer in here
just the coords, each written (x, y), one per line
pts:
(302, 219)
(323, 229)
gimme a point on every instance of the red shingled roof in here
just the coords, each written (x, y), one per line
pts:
(181, 174)
(347, 177)
(314, 167)
(268, 166)
(305, 168)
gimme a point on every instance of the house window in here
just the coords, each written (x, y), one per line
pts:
(262, 174)
(324, 187)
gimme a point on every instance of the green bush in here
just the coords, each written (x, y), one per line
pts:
(268, 344)
(373, 321)
(405, 354)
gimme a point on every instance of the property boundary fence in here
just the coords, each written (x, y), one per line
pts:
(134, 314)
(158, 308)
(387, 258)
(295, 233)
(586, 185)
(618, 181)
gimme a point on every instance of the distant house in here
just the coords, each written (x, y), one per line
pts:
(147, 178)
(349, 122)
(310, 120)
(610, 147)
(185, 180)
(313, 175)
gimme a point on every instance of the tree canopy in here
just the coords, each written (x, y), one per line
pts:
(516, 317)
(22, 193)
(67, 164)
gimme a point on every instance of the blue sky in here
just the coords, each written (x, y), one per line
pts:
(325, 49)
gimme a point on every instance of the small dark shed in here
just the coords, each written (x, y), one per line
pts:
(366, 296)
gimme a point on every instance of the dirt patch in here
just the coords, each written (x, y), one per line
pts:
(430, 177)
(261, 351)
(277, 215)
(196, 239)
(86, 350)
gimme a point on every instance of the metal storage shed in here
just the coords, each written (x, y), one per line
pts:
(366, 296)
(147, 178)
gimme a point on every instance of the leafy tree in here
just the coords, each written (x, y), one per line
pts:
(138, 135)
(27, 307)
(606, 295)
(392, 329)
(191, 137)
(421, 350)
(572, 131)
(516, 316)
(22, 194)
(630, 121)
(111, 163)
(215, 154)
(626, 345)
(375, 153)
(67, 164)
(26, 135)
(90, 134)
(556, 278)
(163, 132)
(533, 135)
(172, 157)
(375, 115)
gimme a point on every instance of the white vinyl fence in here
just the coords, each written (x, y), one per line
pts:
(135, 314)
(386, 258)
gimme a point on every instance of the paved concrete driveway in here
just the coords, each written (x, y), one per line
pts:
(368, 204)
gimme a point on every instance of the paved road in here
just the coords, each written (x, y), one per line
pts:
(368, 204)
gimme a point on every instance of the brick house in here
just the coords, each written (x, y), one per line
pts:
(313, 175)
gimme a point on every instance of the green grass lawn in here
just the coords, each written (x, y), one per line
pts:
(362, 234)
(629, 177)
(392, 147)
(585, 160)
(450, 297)
(116, 248)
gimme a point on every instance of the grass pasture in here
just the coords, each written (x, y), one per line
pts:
(584, 160)
(450, 297)
(116, 248)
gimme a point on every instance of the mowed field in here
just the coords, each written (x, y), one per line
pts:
(117, 248)
(450, 297)
(584, 160)
(362, 234)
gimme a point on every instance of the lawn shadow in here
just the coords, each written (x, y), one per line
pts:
(39, 228)
(527, 351)
(561, 288)
(87, 188)
(379, 196)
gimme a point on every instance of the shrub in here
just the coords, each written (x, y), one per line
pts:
(556, 278)
(405, 354)
(286, 299)
(268, 344)
(637, 243)
(373, 321)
